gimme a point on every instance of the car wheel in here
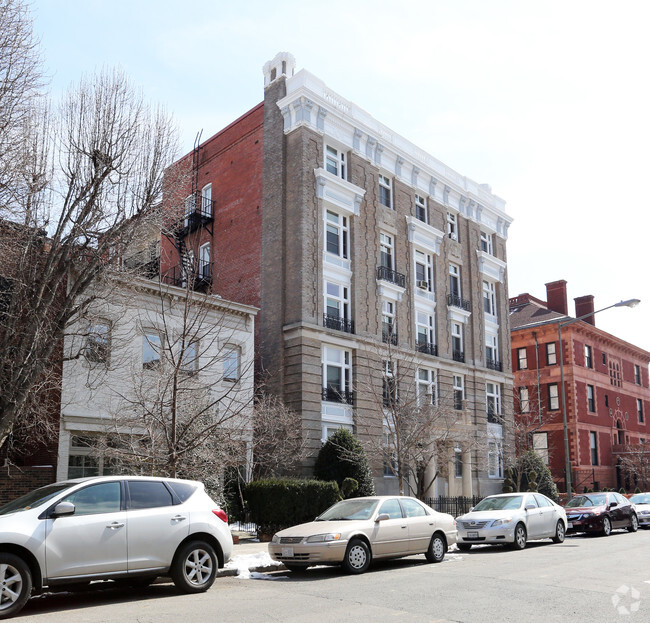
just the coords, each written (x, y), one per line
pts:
(195, 567)
(464, 547)
(559, 532)
(437, 549)
(634, 523)
(520, 537)
(357, 557)
(295, 568)
(15, 584)
(607, 527)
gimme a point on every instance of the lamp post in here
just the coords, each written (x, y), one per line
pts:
(560, 324)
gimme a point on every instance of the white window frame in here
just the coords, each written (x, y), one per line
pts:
(98, 341)
(454, 281)
(551, 354)
(334, 162)
(489, 298)
(591, 399)
(189, 208)
(524, 400)
(341, 359)
(426, 386)
(339, 294)
(553, 394)
(387, 249)
(231, 363)
(495, 459)
(522, 359)
(424, 325)
(452, 225)
(458, 384)
(493, 398)
(421, 208)
(206, 200)
(190, 359)
(491, 347)
(425, 261)
(589, 358)
(386, 184)
(540, 446)
(205, 261)
(337, 225)
(457, 336)
(486, 243)
(152, 347)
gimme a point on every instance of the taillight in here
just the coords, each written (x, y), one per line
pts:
(219, 513)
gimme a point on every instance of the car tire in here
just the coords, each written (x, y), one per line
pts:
(560, 532)
(464, 547)
(520, 537)
(194, 569)
(15, 584)
(607, 527)
(437, 549)
(634, 523)
(357, 557)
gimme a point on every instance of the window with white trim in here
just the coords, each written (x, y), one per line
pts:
(522, 359)
(452, 225)
(190, 358)
(458, 462)
(459, 391)
(421, 208)
(337, 374)
(486, 242)
(337, 301)
(336, 234)
(457, 338)
(553, 397)
(98, 342)
(589, 362)
(231, 363)
(205, 261)
(386, 251)
(424, 329)
(390, 395)
(495, 459)
(385, 191)
(426, 386)
(190, 208)
(423, 270)
(551, 356)
(491, 349)
(335, 162)
(151, 349)
(454, 280)
(206, 200)
(388, 321)
(524, 400)
(591, 398)
(540, 446)
(489, 298)
(493, 400)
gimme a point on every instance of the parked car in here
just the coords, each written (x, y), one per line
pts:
(600, 513)
(356, 531)
(641, 503)
(511, 518)
(129, 529)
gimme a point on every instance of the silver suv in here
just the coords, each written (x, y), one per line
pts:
(124, 528)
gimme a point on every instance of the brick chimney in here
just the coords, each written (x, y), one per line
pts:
(556, 297)
(585, 305)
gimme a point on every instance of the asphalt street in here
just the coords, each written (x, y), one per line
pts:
(590, 579)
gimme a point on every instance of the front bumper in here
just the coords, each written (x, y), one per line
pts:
(309, 554)
(644, 519)
(582, 523)
(499, 534)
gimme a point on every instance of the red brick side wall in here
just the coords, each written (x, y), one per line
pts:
(16, 481)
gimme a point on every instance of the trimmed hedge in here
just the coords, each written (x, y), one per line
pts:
(278, 503)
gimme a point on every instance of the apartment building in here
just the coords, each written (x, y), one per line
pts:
(366, 255)
(606, 392)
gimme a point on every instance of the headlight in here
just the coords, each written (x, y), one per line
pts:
(501, 522)
(275, 539)
(323, 538)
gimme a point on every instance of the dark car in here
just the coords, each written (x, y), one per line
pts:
(600, 513)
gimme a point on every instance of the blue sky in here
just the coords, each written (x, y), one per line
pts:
(548, 102)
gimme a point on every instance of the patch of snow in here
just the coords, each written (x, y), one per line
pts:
(243, 563)
(264, 576)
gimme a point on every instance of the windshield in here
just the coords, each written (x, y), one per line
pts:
(349, 510)
(580, 501)
(34, 498)
(500, 503)
(640, 498)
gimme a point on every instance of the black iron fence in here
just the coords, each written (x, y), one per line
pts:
(455, 506)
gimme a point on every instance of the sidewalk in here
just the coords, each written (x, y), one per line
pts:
(249, 556)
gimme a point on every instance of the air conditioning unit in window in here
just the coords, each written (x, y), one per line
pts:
(424, 285)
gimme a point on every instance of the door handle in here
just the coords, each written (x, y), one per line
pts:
(403, 527)
(115, 525)
(179, 518)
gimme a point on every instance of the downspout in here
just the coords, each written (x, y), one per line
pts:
(539, 399)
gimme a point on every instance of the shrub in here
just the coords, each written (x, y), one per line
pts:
(278, 503)
(343, 457)
(530, 461)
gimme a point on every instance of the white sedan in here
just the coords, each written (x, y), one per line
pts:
(512, 518)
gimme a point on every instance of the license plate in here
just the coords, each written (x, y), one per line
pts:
(472, 535)
(287, 552)
(569, 525)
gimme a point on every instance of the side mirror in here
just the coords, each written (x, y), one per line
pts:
(62, 509)
(471, 508)
(530, 507)
(382, 517)
(613, 504)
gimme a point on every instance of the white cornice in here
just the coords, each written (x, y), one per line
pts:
(310, 102)
(423, 235)
(338, 192)
(491, 266)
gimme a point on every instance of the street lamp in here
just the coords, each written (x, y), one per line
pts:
(560, 324)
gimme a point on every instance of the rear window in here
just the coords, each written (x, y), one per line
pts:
(183, 490)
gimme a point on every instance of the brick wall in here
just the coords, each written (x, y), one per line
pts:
(16, 481)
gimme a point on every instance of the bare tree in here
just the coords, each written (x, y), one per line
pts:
(421, 427)
(635, 461)
(82, 176)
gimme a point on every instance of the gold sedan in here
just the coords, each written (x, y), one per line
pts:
(356, 531)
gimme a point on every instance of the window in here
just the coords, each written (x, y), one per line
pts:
(593, 447)
(486, 242)
(604, 359)
(98, 342)
(524, 400)
(452, 226)
(522, 359)
(151, 494)
(391, 508)
(459, 392)
(337, 371)
(389, 385)
(553, 398)
(206, 200)
(389, 334)
(151, 350)
(231, 362)
(591, 398)
(423, 270)
(607, 400)
(491, 351)
(337, 303)
(639, 410)
(385, 191)
(424, 332)
(412, 508)
(190, 360)
(489, 298)
(637, 374)
(614, 373)
(426, 386)
(105, 497)
(458, 462)
(386, 250)
(190, 208)
(336, 234)
(205, 265)
(589, 362)
(540, 446)
(551, 356)
(495, 460)
(493, 402)
(457, 341)
(454, 280)
(420, 208)
(335, 162)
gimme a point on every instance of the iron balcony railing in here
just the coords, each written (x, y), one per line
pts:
(453, 300)
(427, 348)
(388, 274)
(335, 394)
(338, 324)
(493, 364)
(197, 278)
(458, 355)
(389, 333)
